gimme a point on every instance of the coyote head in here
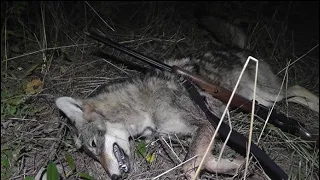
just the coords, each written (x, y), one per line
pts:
(105, 141)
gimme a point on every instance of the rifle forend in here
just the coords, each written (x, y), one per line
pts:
(217, 92)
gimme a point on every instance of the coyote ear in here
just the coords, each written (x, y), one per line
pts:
(89, 111)
(72, 109)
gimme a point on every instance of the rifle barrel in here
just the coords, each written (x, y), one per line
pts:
(103, 39)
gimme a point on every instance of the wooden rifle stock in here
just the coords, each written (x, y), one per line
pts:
(217, 92)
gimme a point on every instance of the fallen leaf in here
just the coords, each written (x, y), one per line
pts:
(34, 86)
(29, 178)
(70, 161)
(52, 171)
(85, 176)
(150, 157)
(141, 149)
(63, 69)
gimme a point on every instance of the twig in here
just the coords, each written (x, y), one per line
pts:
(99, 16)
(171, 149)
(299, 58)
(174, 168)
(223, 115)
(42, 50)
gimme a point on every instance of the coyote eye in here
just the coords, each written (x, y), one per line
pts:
(93, 143)
(101, 133)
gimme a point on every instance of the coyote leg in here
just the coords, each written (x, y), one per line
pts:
(304, 97)
(224, 166)
(198, 147)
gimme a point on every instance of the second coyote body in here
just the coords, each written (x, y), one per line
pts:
(158, 102)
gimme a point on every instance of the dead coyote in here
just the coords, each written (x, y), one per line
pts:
(157, 102)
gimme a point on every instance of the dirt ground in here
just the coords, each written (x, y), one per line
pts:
(45, 54)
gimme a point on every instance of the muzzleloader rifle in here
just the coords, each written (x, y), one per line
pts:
(236, 141)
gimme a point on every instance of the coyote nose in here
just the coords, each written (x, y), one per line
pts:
(115, 177)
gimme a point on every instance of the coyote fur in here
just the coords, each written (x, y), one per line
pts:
(158, 102)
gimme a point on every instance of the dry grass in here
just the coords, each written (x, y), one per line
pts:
(46, 41)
